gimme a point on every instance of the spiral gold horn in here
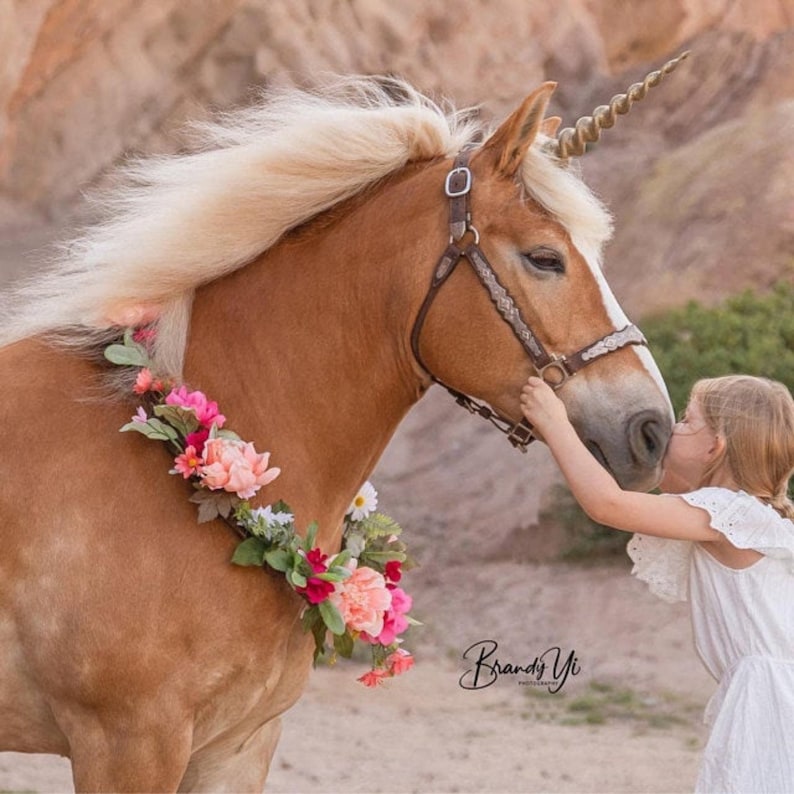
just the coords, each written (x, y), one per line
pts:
(572, 141)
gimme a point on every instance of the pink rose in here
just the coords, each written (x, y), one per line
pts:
(206, 410)
(235, 466)
(394, 621)
(362, 600)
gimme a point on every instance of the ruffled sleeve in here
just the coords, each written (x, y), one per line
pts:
(744, 520)
(663, 564)
(747, 522)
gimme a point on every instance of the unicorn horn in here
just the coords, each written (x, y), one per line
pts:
(572, 141)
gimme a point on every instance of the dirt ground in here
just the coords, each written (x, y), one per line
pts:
(628, 721)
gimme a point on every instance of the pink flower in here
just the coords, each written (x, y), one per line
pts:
(143, 381)
(140, 416)
(316, 560)
(316, 590)
(362, 600)
(393, 570)
(399, 662)
(206, 410)
(394, 621)
(236, 467)
(188, 462)
(144, 336)
(198, 439)
(374, 677)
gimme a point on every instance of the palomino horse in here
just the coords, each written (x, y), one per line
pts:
(284, 265)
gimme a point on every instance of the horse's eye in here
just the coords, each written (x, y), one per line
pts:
(545, 259)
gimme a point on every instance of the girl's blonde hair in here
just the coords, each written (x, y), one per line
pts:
(755, 416)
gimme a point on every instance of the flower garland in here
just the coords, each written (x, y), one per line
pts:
(352, 595)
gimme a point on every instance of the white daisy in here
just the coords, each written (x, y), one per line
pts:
(365, 501)
(279, 517)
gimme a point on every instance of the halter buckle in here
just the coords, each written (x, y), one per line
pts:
(453, 192)
(559, 371)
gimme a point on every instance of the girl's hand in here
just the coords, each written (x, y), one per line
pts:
(541, 406)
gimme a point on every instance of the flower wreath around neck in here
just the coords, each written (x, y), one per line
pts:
(350, 596)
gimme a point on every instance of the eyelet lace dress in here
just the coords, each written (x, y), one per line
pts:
(743, 625)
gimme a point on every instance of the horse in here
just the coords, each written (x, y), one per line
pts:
(286, 265)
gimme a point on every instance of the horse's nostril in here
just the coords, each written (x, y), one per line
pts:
(648, 434)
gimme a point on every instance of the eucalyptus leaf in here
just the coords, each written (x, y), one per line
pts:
(127, 356)
(250, 552)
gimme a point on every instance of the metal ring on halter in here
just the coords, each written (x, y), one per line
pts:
(469, 228)
(559, 365)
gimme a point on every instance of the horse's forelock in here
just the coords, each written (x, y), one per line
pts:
(558, 187)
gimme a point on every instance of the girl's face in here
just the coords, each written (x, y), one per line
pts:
(692, 447)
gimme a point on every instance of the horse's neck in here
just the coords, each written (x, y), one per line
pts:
(306, 351)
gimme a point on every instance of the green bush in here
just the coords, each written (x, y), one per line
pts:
(749, 333)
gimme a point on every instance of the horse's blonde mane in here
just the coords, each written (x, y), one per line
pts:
(175, 222)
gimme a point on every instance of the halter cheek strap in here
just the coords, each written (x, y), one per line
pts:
(555, 370)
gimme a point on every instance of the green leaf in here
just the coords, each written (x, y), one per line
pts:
(311, 536)
(250, 552)
(127, 356)
(331, 617)
(147, 429)
(279, 559)
(229, 435)
(343, 644)
(296, 578)
(331, 576)
(179, 417)
(341, 559)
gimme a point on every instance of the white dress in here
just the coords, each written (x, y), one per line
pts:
(743, 625)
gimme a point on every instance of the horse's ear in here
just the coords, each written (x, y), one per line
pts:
(510, 142)
(550, 126)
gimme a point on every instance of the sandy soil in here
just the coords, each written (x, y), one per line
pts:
(629, 721)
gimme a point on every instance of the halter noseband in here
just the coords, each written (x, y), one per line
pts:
(555, 370)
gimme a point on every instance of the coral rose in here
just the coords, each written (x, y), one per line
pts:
(235, 466)
(374, 677)
(362, 600)
(399, 662)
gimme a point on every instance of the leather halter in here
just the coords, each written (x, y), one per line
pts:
(555, 370)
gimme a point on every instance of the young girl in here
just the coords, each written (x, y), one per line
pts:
(726, 539)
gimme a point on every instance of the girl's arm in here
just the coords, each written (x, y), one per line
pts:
(594, 487)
